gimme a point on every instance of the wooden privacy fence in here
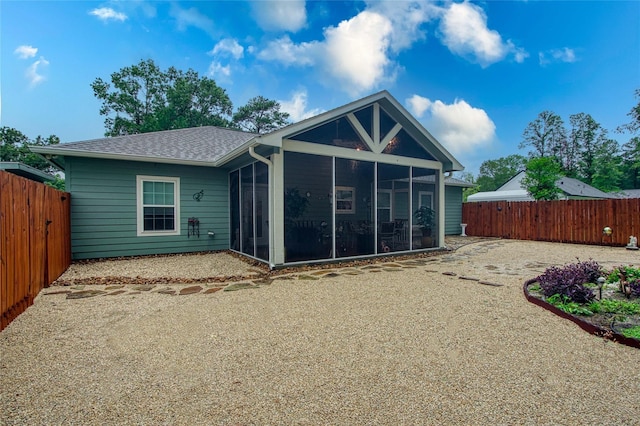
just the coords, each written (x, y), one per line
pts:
(35, 241)
(566, 221)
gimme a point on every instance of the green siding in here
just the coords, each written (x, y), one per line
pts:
(453, 210)
(103, 208)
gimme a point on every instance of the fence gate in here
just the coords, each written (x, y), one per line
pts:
(35, 241)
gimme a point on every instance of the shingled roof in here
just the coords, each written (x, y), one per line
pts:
(205, 145)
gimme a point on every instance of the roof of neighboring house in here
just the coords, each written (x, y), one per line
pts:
(215, 146)
(628, 193)
(570, 186)
(28, 172)
(205, 145)
(512, 190)
(574, 187)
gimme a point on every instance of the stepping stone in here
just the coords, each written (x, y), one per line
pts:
(57, 292)
(371, 267)
(392, 265)
(135, 292)
(117, 292)
(85, 294)
(307, 277)
(392, 270)
(462, 277)
(450, 274)
(77, 287)
(263, 281)
(331, 275)
(168, 291)
(322, 272)
(239, 286)
(490, 283)
(144, 287)
(114, 287)
(190, 290)
(212, 290)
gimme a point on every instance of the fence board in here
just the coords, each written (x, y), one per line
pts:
(32, 254)
(567, 221)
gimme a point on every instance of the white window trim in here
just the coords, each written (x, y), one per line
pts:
(352, 210)
(428, 193)
(140, 208)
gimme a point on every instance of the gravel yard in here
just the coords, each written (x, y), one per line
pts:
(382, 345)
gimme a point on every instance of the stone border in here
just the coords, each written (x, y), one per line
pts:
(608, 334)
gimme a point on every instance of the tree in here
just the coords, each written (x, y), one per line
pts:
(631, 150)
(631, 164)
(495, 173)
(260, 115)
(546, 135)
(634, 126)
(607, 167)
(592, 143)
(15, 147)
(540, 178)
(143, 98)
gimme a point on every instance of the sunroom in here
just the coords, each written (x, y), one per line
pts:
(365, 179)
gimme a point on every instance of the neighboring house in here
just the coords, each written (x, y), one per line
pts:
(512, 190)
(25, 171)
(349, 174)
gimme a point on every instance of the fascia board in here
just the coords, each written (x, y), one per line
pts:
(121, 157)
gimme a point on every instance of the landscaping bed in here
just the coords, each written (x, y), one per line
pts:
(602, 302)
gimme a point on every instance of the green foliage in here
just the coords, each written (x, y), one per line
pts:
(260, 115)
(295, 204)
(142, 98)
(15, 147)
(628, 272)
(540, 178)
(546, 135)
(594, 148)
(495, 173)
(565, 304)
(613, 306)
(632, 332)
(425, 217)
(631, 163)
(58, 183)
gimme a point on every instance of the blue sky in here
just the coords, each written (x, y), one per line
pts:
(474, 73)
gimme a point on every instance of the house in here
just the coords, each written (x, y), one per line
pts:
(26, 171)
(342, 184)
(512, 190)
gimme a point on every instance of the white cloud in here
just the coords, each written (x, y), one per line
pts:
(407, 18)
(228, 46)
(353, 54)
(191, 17)
(280, 15)
(356, 51)
(218, 71)
(464, 31)
(458, 126)
(106, 14)
(33, 73)
(287, 52)
(297, 107)
(557, 55)
(26, 52)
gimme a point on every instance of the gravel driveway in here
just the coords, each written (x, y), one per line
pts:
(394, 344)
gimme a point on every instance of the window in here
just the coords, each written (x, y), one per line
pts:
(158, 200)
(384, 205)
(345, 199)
